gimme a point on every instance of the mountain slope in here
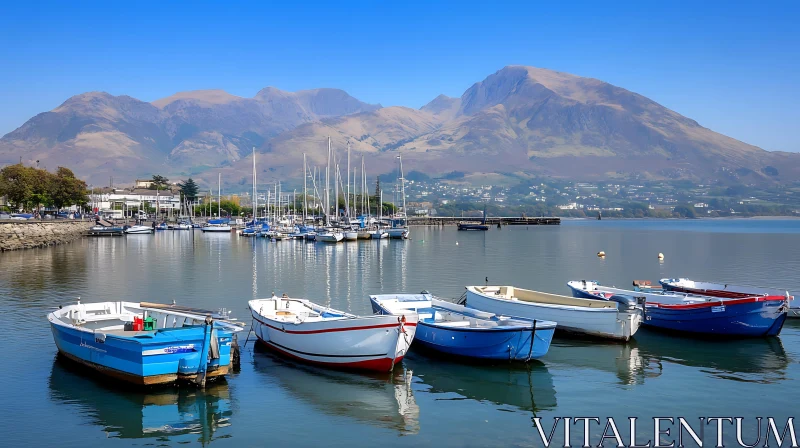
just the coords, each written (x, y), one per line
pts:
(101, 135)
(517, 120)
(567, 125)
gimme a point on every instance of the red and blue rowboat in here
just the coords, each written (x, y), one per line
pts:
(727, 291)
(754, 316)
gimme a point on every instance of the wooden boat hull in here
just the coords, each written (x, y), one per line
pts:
(745, 317)
(506, 341)
(375, 343)
(599, 321)
(727, 291)
(162, 356)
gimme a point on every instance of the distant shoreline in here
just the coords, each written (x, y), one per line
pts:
(758, 217)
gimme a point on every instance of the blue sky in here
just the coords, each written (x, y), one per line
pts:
(732, 66)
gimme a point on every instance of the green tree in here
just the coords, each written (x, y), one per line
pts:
(159, 182)
(65, 189)
(229, 207)
(16, 184)
(684, 211)
(189, 189)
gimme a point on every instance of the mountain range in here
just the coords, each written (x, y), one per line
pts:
(520, 122)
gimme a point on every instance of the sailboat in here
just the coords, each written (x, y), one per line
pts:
(350, 232)
(378, 233)
(330, 234)
(473, 225)
(399, 228)
(220, 224)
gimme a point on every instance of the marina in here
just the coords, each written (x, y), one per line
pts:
(425, 394)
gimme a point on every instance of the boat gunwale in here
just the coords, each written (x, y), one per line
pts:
(503, 299)
(517, 327)
(708, 301)
(219, 324)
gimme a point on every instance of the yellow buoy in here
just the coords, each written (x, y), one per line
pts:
(660, 256)
(601, 254)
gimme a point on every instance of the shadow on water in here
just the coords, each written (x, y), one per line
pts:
(757, 360)
(383, 400)
(165, 413)
(524, 387)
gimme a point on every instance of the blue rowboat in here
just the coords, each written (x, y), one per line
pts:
(461, 331)
(740, 317)
(145, 343)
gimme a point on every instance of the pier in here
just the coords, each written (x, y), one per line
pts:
(494, 220)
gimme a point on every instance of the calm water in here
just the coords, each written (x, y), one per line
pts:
(427, 402)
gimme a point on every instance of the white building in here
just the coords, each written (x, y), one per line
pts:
(120, 202)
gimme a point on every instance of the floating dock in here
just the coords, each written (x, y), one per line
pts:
(494, 220)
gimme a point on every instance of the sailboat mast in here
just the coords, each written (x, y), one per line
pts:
(347, 198)
(363, 187)
(355, 194)
(255, 197)
(219, 195)
(336, 189)
(305, 188)
(403, 184)
(328, 186)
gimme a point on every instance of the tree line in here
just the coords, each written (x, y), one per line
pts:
(29, 188)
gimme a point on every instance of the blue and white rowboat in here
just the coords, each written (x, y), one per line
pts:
(176, 344)
(740, 317)
(457, 330)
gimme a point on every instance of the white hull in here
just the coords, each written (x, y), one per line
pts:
(300, 329)
(330, 237)
(586, 316)
(378, 234)
(398, 233)
(350, 236)
(139, 229)
(216, 229)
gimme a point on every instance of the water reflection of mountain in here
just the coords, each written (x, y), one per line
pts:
(626, 361)
(380, 400)
(760, 360)
(525, 387)
(133, 414)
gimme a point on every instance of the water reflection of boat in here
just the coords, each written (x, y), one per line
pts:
(380, 399)
(626, 361)
(525, 387)
(169, 412)
(749, 360)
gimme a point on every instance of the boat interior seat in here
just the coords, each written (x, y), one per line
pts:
(460, 323)
(102, 317)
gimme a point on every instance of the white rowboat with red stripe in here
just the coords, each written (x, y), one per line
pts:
(301, 329)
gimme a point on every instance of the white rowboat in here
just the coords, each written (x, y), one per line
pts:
(600, 318)
(303, 330)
